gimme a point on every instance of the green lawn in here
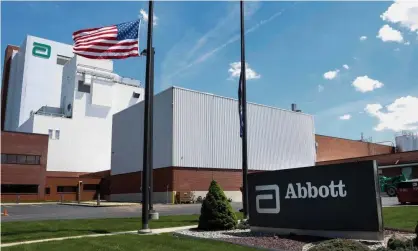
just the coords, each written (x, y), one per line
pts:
(34, 230)
(395, 217)
(400, 217)
(128, 242)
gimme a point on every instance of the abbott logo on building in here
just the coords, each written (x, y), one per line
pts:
(258, 198)
(41, 50)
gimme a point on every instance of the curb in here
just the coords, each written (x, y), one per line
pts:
(29, 203)
(238, 244)
(399, 230)
(93, 205)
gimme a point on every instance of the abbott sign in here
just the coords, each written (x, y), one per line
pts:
(339, 200)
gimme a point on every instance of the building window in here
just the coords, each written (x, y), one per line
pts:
(136, 95)
(11, 159)
(67, 189)
(83, 87)
(91, 187)
(57, 134)
(50, 133)
(23, 189)
(47, 190)
(20, 159)
(62, 60)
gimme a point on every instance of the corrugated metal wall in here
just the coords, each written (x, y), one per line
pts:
(128, 135)
(206, 134)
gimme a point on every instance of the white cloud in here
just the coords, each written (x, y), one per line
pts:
(407, 43)
(320, 88)
(345, 117)
(388, 34)
(362, 38)
(235, 71)
(397, 49)
(400, 115)
(331, 74)
(366, 84)
(144, 16)
(346, 67)
(404, 13)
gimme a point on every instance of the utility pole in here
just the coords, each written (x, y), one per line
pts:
(244, 118)
(148, 119)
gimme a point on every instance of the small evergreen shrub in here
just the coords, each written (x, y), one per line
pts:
(216, 212)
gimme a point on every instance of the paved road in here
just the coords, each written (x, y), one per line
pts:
(53, 211)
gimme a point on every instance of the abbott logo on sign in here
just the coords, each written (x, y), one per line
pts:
(258, 198)
(41, 50)
(337, 200)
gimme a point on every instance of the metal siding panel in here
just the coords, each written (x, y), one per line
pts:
(206, 134)
(128, 135)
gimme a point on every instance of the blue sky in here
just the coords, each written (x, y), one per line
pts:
(295, 51)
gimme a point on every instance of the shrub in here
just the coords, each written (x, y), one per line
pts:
(395, 244)
(416, 236)
(216, 212)
(339, 245)
(399, 243)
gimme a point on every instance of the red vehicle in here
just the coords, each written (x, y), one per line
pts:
(408, 191)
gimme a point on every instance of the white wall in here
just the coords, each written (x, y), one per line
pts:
(14, 91)
(206, 134)
(85, 138)
(85, 141)
(193, 129)
(41, 84)
(128, 135)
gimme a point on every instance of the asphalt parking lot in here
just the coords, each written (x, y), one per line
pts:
(55, 211)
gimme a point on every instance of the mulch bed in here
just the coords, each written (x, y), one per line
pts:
(283, 243)
(270, 241)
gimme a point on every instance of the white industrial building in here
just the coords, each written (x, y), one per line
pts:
(71, 98)
(406, 141)
(196, 137)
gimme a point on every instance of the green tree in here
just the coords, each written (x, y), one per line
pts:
(216, 212)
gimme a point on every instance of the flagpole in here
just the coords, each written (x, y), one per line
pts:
(244, 118)
(148, 119)
(151, 163)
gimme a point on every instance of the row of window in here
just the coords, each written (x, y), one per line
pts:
(27, 189)
(33, 189)
(20, 159)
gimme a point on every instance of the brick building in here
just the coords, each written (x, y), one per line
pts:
(23, 165)
(24, 176)
(333, 148)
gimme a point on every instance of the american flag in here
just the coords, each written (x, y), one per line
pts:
(109, 42)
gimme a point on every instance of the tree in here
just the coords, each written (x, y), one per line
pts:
(216, 212)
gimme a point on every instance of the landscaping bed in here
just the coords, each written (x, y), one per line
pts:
(276, 242)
